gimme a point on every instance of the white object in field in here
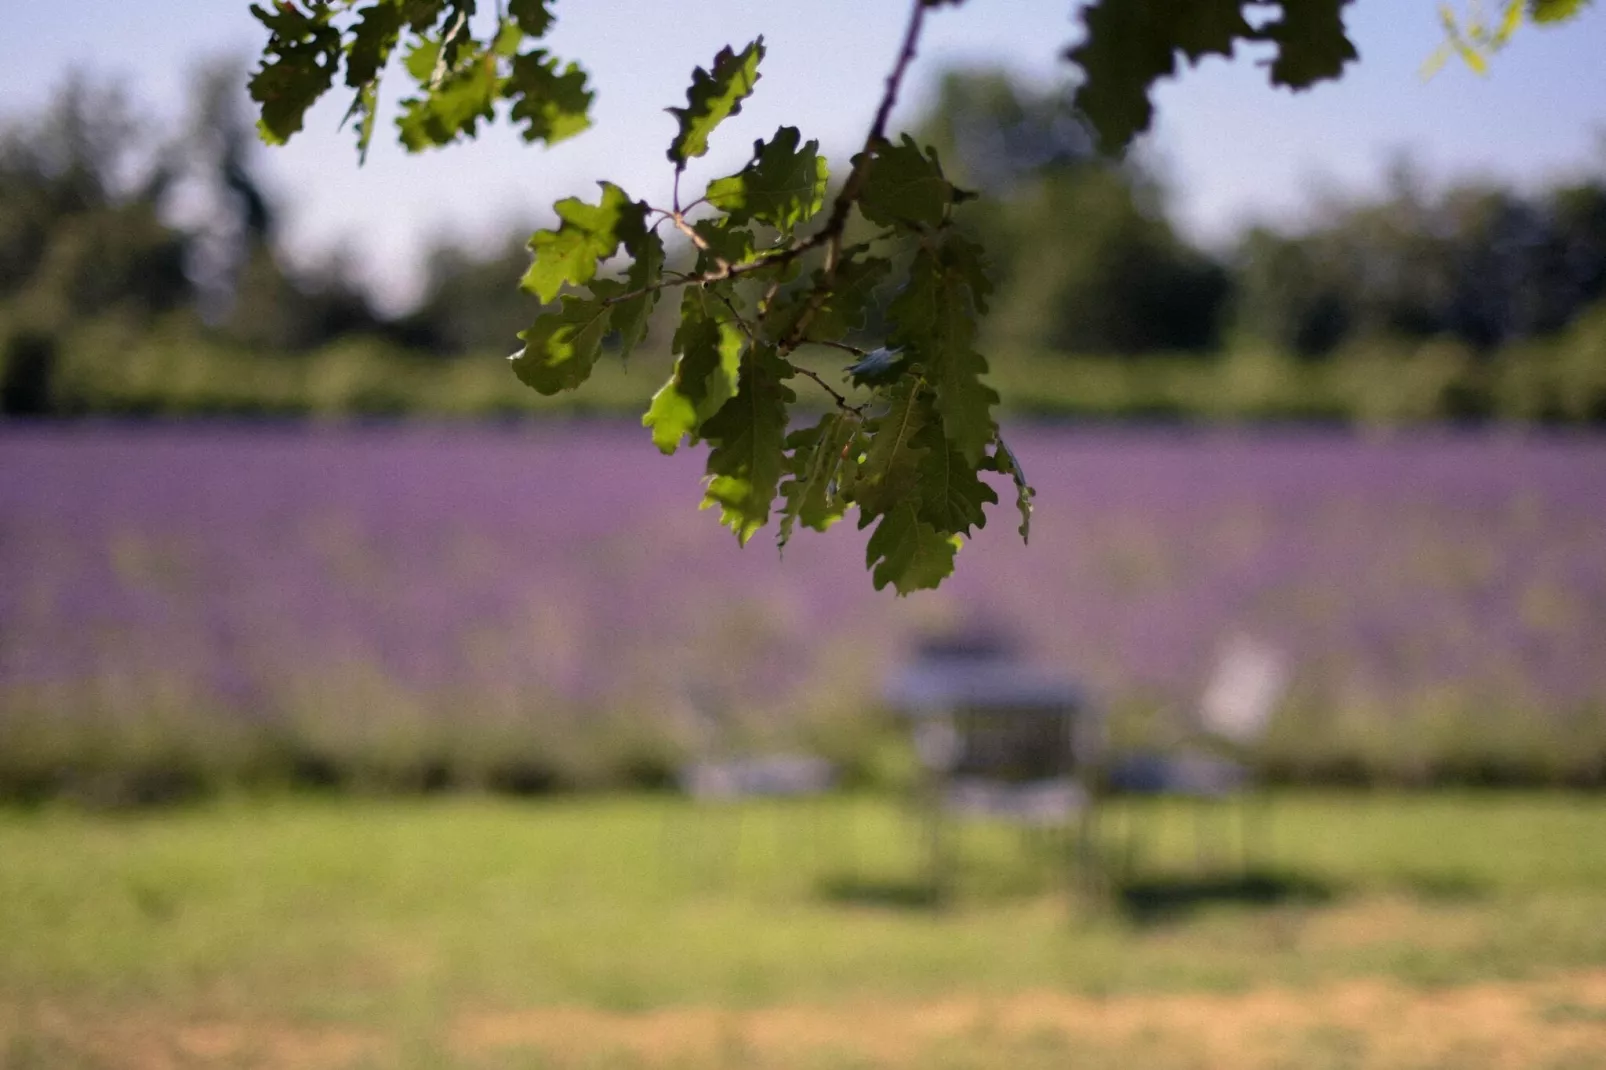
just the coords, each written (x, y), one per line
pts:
(1250, 679)
(773, 775)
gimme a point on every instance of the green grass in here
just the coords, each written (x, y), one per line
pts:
(396, 918)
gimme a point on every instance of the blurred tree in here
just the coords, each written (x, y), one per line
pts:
(1084, 254)
(471, 302)
(1482, 264)
(80, 213)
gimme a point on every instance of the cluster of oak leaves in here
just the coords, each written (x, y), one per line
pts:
(908, 457)
(905, 442)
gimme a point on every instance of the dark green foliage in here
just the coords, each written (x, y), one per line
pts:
(714, 97)
(299, 64)
(745, 461)
(905, 187)
(1128, 45)
(458, 79)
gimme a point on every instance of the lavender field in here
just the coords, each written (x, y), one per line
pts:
(530, 608)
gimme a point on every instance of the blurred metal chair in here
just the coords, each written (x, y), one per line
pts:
(1212, 761)
(726, 772)
(999, 740)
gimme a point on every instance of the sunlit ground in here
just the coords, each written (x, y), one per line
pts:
(1392, 931)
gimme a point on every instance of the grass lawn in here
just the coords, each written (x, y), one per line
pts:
(1410, 931)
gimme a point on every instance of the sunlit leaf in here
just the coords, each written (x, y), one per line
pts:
(782, 186)
(561, 347)
(710, 346)
(587, 234)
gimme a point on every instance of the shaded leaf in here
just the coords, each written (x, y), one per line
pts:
(909, 553)
(1128, 46)
(891, 465)
(904, 185)
(630, 317)
(934, 318)
(1555, 10)
(838, 309)
(531, 15)
(745, 463)
(1311, 42)
(712, 98)
(817, 455)
(377, 30)
(299, 64)
(950, 494)
(726, 241)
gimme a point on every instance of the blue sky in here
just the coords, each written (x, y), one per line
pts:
(1231, 149)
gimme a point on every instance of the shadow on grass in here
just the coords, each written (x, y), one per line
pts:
(1157, 900)
(891, 894)
(1445, 887)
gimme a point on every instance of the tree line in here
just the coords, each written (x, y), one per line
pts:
(101, 270)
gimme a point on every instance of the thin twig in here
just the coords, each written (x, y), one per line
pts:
(836, 395)
(838, 221)
(830, 236)
(855, 350)
(752, 337)
(729, 271)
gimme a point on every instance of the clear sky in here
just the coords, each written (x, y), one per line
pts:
(1230, 148)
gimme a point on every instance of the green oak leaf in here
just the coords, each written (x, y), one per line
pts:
(909, 553)
(560, 348)
(950, 494)
(780, 187)
(816, 455)
(746, 461)
(587, 234)
(299, 64)
(710, 346)
(1129, 46)
(377, 30)
(934, 318)
(890, 471)
(552, 105)
(713, 98)
(845, 304)
(1555, 10)
(1311, 43)
(532, 16)
(630, 316)
(725, 241)
(365, 109)
(904, 185)
(452, 106)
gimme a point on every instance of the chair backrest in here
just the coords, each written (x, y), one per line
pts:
(1249, 680)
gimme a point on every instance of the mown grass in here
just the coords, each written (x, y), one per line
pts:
(391, 921)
